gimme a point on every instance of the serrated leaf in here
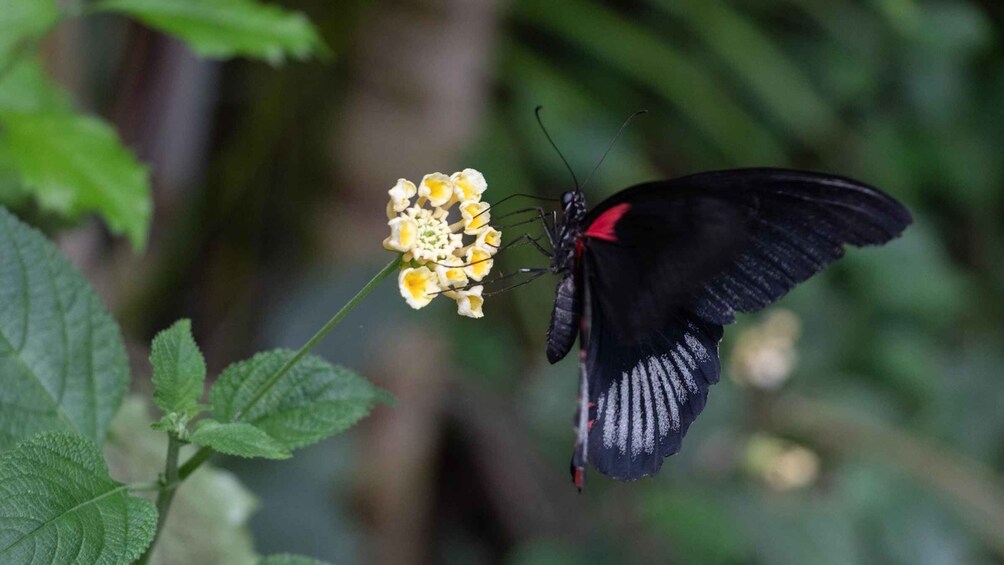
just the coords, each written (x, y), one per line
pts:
(27, 88)
(77, 164)
(59, 505)
(227, 28)
(312, 401)
(287, 559)
(208, 520)
(238, 438)
(23, 19)
(62, 362)
(179, 371)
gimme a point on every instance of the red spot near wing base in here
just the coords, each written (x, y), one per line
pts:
(603, 226)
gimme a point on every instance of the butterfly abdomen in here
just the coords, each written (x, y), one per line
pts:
(564, 319)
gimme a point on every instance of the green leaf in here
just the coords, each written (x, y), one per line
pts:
(21, 20)
(227, 28)
(77, 164)
(62, 363)
(27, 88)
(238, 438)
(179, 370)
(312, 401)
(208, 522)
(287, 559)
(59, 505)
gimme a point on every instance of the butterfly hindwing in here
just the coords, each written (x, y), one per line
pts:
(643, 395)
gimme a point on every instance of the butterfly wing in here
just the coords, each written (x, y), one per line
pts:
(666, 264)
(642, 394)
(725, 241)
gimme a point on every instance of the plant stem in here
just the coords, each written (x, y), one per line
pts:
(168, 486)
(203, 454)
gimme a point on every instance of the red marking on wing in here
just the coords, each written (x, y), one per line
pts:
(603, 226)
(579, 477)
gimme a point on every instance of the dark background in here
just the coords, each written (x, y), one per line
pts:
(883, 444)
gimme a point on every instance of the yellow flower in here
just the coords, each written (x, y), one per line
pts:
(490, 240)
(437, 187)
(435, 259)
(469, 302)
(418, 286)
(476, 216)
(451, 274)
(469, 184)
(403, 234)
(400, 195)
(479, 263)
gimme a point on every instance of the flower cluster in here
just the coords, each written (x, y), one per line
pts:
(435, 258)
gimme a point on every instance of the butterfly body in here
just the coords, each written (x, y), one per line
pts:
(649, 277)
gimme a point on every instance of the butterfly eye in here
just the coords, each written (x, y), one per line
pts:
(567, 198)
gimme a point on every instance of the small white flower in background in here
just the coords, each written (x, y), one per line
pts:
(435, 259)
(782, 464)
(764, 355)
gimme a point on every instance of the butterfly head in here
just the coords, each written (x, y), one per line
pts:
(573, 205)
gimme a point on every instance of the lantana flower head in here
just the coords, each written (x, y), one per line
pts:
(429, 224)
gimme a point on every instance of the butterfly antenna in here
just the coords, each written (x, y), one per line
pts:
(611, 146)
(555, 146)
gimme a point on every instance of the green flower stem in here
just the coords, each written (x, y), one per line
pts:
(204, 453)
(173, 475)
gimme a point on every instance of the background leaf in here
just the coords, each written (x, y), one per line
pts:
(27, 88)
(76, 164)
(238, 438)
(179, 370)
(62, 363)
(59, 505)
(312, 401)
(23, 19)
(227, 28)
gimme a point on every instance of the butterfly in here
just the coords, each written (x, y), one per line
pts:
(648, 278)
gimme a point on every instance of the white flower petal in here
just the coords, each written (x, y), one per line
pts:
(470, 302)
(469, 184)
(476, 216)
(418, 286)
(479, 263)
(437, 187)
(490, 240)
(403, 234)
(400, 195)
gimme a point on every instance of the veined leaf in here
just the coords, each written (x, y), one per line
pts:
(77, 164)
(287, 559)
(312, 401)
(23, 19)
(59, 505)
(227, 28)
(179, 371)
(62, 363)
(209, 516)
(238, 438)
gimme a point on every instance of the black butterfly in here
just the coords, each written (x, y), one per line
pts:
(650, 276)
